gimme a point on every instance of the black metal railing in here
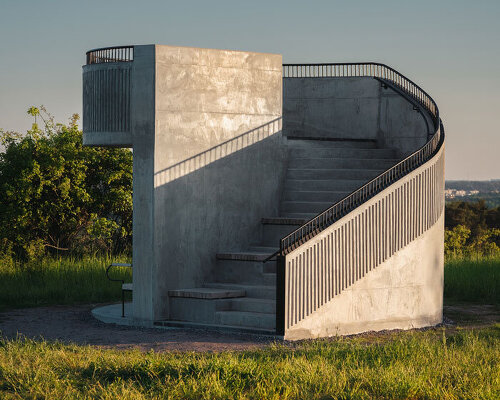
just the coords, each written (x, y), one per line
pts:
(385, 179)
(110, 55)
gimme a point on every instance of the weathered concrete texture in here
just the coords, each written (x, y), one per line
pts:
(214, 201)
(352, 108)
(204, 97)
(404, 292)
(108, 139)
(143, 129)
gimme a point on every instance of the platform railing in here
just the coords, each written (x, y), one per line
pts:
(110, 55)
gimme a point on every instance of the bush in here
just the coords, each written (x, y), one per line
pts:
(57, 196)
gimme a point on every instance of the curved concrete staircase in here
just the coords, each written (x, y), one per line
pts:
(243, 294)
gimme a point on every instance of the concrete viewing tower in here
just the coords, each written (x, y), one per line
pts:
(297, 200)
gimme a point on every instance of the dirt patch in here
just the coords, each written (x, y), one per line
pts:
(75, 324)
(471, 315)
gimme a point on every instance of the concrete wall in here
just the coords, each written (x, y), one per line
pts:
(143, 134)
(203, 98)
(351, 108)
(404, 292)
(379, 267)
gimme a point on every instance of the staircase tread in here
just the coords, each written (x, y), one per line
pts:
(258, 248)
(335, 169)
(283, 221)
(244, 255)
(207, 293)
(306, 202)
(346, 158)
(254, 299)
(236, 285)
(199, 325)
(250, 313)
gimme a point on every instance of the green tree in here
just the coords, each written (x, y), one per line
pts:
(58, 196)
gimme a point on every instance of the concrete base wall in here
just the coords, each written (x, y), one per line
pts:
(404, 292)
(210, 196)
(352, 108)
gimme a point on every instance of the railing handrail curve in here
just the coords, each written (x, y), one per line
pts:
(342, 207)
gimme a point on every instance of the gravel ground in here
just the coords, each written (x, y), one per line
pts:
(75, 324)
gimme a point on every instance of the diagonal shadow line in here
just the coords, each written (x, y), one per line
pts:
(217, 152)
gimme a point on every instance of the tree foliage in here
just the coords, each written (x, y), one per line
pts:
(471, 229)
(58, 196)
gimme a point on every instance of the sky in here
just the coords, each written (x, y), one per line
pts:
(451, 48)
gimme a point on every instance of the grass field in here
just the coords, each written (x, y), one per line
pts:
(472, 280)
(60, 281)
(67, 281)
(460, 364)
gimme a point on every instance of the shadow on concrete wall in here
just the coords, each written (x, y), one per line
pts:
(215, 153)
(213, 202)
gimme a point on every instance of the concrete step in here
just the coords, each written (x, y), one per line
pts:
(243, 256)
(264, 249)
(332, 152)
(339, 144)
(207, 293)
(272, 233)
(253, 305)
(330, 174)
(246, 319)
(329, 184)
(304, 206)
(309, 195)
(307, 216)
(245, 272)
(282, 221)
(199, 310)
(215, 327)
(342, 163)
(256, 291)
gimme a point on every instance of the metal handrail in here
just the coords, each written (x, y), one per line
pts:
(118, 280)
(386, 178)
(110, 54)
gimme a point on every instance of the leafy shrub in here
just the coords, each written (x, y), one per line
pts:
(58, 196)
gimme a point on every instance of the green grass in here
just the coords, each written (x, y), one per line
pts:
(70, 281)
(461, 364)
(472, 280)
(60, 281)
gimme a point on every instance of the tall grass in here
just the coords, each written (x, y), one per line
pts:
(69, 281)
(411, 365)
(474, 279)
(60, 281)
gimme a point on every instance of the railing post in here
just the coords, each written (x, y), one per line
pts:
(280, 294)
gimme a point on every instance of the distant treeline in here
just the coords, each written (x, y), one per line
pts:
(472, 228)
(492, 185)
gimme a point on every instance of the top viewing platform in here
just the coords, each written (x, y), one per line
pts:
(110, 55)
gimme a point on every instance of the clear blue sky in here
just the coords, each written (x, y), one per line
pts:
(450, 47)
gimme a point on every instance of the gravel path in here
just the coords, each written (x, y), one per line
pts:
(75, 324)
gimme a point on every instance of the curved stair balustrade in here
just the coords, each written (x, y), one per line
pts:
(388, 177)
(334, 250)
